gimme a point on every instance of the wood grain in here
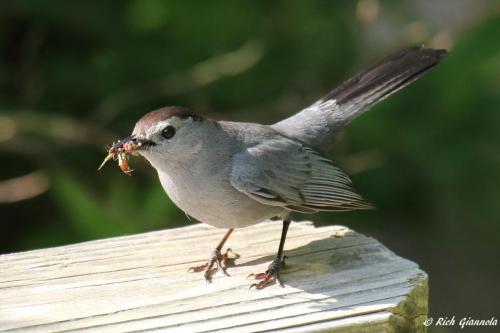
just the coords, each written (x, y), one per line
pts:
(336, 280)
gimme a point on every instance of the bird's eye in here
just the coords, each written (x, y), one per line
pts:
(168, 132)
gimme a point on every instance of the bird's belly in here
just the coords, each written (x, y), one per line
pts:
(216, 204)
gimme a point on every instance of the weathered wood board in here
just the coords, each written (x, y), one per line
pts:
(336, 280)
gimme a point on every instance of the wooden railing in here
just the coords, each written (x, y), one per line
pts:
(336, 280)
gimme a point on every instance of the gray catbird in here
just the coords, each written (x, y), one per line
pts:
(232, 175)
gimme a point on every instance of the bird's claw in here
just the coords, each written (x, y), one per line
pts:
(217, 259)
(267, 278)
(270, 276)
(196, 269)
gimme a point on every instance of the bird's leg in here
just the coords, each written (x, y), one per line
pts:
(216, 258)
(272, 274)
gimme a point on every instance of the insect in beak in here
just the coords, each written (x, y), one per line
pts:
(121, 150)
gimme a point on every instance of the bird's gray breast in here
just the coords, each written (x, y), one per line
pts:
(203, 190)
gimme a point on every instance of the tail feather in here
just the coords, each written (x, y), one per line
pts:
(317, 124)
(386, 76)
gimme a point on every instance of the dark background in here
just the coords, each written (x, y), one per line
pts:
(76, 75)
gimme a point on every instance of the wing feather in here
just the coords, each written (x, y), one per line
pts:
(283, 172)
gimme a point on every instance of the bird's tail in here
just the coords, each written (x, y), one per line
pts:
(317, 124)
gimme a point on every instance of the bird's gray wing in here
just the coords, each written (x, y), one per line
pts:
(282, 172)
(317, 124)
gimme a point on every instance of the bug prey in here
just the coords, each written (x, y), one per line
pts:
(121, 152)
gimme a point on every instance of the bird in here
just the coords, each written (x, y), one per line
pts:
(235, 174)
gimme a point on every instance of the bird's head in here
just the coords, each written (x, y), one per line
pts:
(172, 134)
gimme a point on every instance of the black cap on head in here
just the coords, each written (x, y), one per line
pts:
(162, 114)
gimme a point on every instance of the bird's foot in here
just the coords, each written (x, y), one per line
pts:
(217, 261)
(270, 276)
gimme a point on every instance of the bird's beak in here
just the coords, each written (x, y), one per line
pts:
(134, 141)
(119, 144)
(124, 147)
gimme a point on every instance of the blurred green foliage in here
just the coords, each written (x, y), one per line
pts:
(74, 76)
